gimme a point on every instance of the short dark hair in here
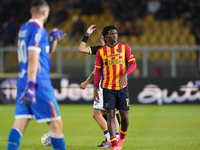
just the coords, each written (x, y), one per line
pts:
(106, 29)
(36, 5)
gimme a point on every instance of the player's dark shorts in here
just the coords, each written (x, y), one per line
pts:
(116, 99)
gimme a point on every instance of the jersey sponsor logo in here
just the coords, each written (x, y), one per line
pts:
(153, 93)
(112, 55)
(114, 62)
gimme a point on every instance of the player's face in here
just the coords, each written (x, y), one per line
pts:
(112, 36)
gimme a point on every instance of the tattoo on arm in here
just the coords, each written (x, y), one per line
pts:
(91, 77)
(32, 72)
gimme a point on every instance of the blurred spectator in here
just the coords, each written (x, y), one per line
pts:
(91, 7)
(196, 34)
(134, 29)
(60, 17)
(164, 11)
(135, 73)
(153, 6)
(73, 4)
(11, 30)
(198, 74)
(77, 29)
(157, 72)
(122, 28)
(3, 38)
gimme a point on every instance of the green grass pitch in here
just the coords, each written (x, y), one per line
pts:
(152, 127)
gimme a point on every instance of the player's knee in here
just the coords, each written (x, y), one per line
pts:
(111, 114)
(95, 116)
(124, 115)
(21, 124)
(56, 126)
(124, 118)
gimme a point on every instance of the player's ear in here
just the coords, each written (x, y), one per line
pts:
(105, 39)
(45, 12)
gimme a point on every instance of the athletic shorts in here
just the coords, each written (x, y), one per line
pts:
(99, 106)
(118, 99)
(45, 109)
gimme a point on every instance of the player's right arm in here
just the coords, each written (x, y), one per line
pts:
(83, 45)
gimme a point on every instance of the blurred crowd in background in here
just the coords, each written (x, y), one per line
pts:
(14, 12)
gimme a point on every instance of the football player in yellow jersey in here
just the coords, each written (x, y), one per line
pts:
(99, 112)
(111, 63)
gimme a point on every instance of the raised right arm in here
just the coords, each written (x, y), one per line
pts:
(83, 45)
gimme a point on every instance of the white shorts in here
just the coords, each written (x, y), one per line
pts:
(99, 106)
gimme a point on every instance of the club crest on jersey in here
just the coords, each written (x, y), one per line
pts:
(118, 50)
(106, 63)
(37, 37)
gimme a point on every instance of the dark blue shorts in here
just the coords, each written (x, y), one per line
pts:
(116, 99)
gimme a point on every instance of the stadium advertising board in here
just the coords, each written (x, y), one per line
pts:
(141, 91)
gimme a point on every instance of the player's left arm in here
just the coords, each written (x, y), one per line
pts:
(53, 46)
(33, 65)
(132, 65)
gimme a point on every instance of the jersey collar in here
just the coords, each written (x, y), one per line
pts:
(37, 21)
(112, 45)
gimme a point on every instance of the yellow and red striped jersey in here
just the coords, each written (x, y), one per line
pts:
(113, 61)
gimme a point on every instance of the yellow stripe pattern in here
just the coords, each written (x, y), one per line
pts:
(90, 49)
(108, 69)
(123, 132)
(53, 109)
(114, 139)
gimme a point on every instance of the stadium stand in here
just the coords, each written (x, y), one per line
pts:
(174, 29)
